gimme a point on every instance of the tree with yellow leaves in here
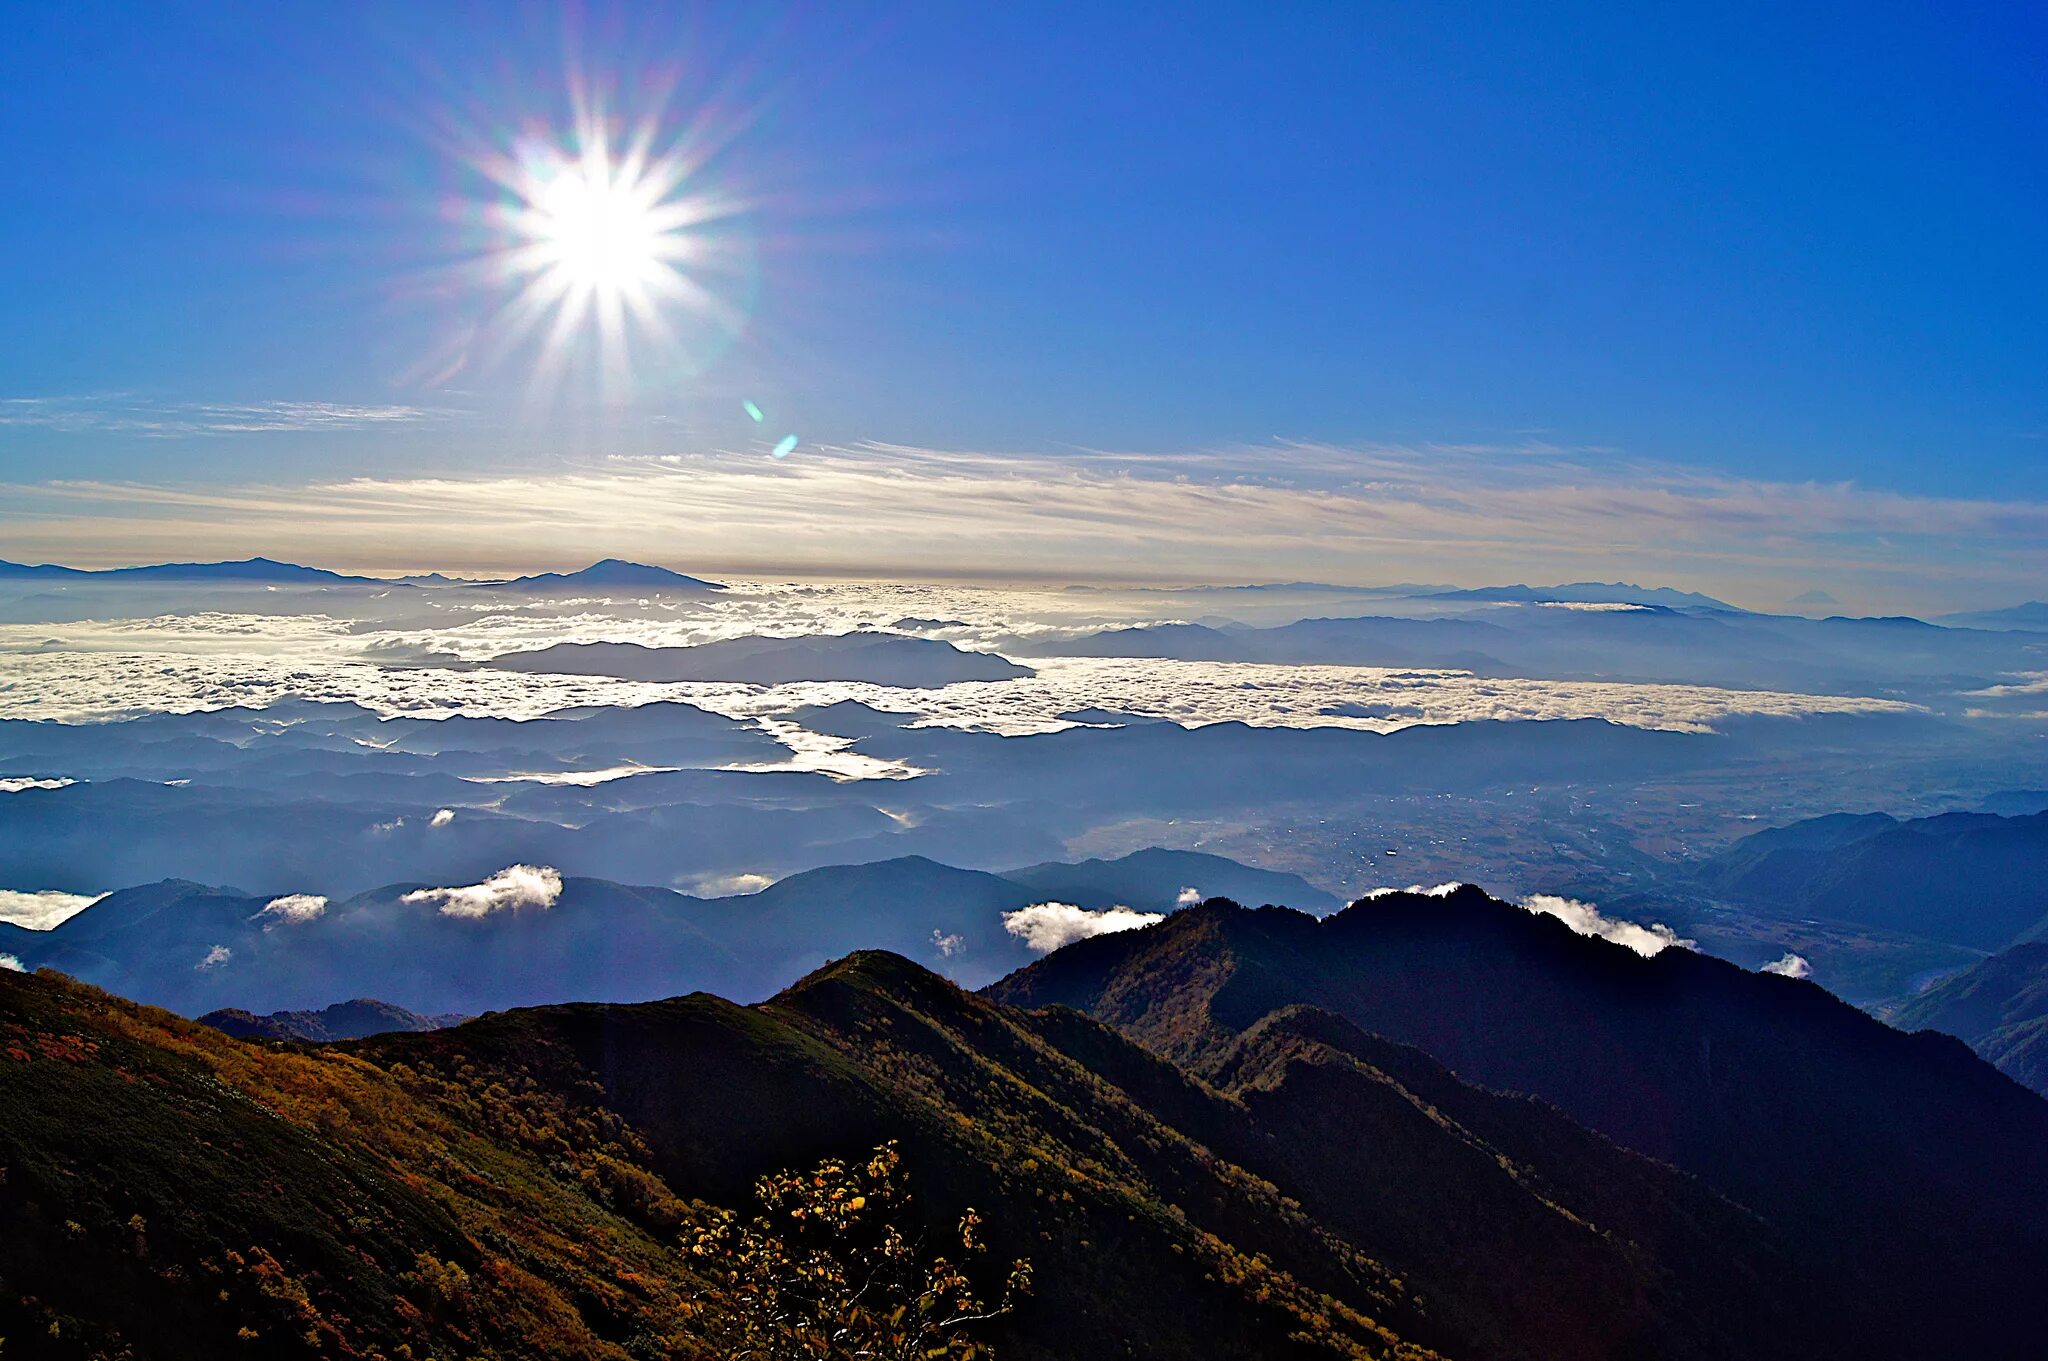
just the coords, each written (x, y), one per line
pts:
(825, 1273)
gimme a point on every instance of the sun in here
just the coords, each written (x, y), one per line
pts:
(599, 241)
(597, 231)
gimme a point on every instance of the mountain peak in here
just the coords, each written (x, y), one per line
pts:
(609, 572)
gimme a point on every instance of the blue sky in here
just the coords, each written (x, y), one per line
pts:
(1750, 247)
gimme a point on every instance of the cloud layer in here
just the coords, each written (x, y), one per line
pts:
(39, 911)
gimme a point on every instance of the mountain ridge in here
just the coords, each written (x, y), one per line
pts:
(1679, 1056)
(1115, 1171)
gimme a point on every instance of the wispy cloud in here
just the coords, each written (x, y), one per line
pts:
(1378, 512)
(123, 413)
(294, 909)
(1588, 920)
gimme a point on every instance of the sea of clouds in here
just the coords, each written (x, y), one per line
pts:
(97, 669)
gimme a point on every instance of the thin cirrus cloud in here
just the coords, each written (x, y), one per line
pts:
(1467, 513)
(126, 414)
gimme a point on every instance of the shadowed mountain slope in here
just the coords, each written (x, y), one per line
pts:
(506, 1187)
(1897, 1164)
(1999, 1008)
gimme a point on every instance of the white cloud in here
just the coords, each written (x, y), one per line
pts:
(442, 818)
(1047, 926)
(729, 885)
(1189, 897)
(948, 945)
(40, 911)
(511, 888)
(1791, 966)
(1432, 891)
(15, 784)
(11, 964)
(1587, 920)
(294, 909)
(215, 958)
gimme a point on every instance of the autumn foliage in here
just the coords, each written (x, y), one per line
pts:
(825, 1271)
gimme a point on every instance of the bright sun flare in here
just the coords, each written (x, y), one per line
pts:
(603, 241)
(599, 230)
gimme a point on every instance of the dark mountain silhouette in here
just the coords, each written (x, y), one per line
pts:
(878, 658)
(354, 1020)
(1969, 879)
(1998, 1007)
(610, 574)
(249, 569)
(1899, 1162)
(516, 1186)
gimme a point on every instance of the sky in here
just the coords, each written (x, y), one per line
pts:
(1747, 299)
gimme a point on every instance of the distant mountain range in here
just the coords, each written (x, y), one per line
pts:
(355, 1020)
(1968, 879)
(1591, 593)
(523, 935)
(611, 573)
(1238, 1155)
(1651, 643)
(876, 658)
(2033, 616)
(248, 570)
(618, 574)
